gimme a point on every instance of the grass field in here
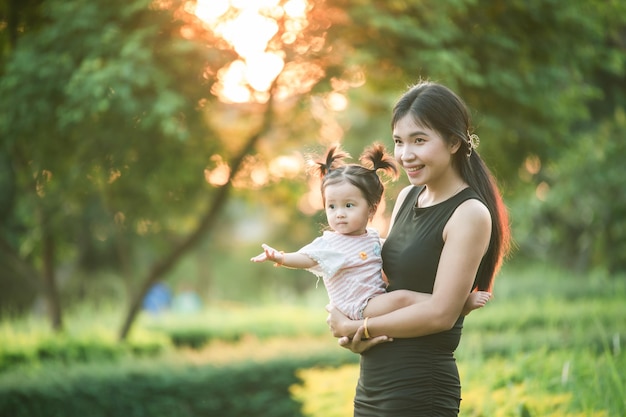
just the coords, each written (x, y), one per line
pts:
(550, 343)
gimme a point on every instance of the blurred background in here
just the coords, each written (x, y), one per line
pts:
(149, 147)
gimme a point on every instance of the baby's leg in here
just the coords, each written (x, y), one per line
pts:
(476, 300)
(391, 301)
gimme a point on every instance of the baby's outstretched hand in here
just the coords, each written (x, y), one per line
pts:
(269, 254)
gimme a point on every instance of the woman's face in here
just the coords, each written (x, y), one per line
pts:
(425, 156)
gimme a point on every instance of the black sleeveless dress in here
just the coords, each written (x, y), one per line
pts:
(416, 376)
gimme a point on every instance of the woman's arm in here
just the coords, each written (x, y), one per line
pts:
(466, 238)
(358, 343)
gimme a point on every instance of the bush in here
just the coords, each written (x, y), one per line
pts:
(243, 389)
(32, 349)
(234, 323)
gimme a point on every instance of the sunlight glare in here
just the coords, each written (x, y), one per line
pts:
(286, 166)
(210, 10)
(259, 176)
(296, 8)
(541, 192)
(273, 65)
(311, 202)
(233, 82)
(220, 174)
(336, 102)
(248, 42)
(249, 26)
(532, 164)
(254, 4)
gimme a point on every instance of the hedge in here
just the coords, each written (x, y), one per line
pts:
(242, 389)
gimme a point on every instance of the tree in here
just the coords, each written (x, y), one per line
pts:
(523, 66)
(86, 114)
(16, 17)
(541, 75)
(580, 218)
(110, 112)
(112, 118)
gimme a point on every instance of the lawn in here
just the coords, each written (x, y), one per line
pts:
(550, 343)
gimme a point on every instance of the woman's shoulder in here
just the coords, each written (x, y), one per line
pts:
(403, 194)
(400, 199)
(406, 191)
(470, 206)
(473, 207)
(471, 217)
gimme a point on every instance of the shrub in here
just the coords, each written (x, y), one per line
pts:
(243, 389)
(23, 350)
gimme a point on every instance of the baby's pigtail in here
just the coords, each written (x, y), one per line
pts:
(376, 157)
(334, 157)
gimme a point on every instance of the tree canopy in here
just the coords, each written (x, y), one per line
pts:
(120, 150)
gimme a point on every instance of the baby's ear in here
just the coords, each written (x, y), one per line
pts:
(373, 210)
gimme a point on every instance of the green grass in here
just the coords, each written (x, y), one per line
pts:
(233, 322)
(539, 308)
(550, 343)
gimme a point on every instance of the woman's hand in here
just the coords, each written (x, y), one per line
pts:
(359, 345)
(349, 332)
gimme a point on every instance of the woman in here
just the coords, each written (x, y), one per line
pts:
(448, 236)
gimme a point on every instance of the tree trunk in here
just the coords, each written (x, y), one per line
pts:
(159, 269)
(49, 278)
(20, 282)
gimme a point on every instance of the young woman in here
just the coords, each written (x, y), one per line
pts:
(347, 257)
(448, 237)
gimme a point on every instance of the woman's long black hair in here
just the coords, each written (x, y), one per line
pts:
(438, 108)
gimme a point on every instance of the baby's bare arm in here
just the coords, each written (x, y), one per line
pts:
(290, 260)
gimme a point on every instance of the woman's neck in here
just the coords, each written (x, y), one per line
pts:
(435, 195)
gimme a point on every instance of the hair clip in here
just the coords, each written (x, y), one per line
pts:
(472, 141)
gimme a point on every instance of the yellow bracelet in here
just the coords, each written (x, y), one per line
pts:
(366, 333)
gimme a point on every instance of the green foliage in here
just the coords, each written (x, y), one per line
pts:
(243, 389)
(546, 80)
(17, 17)
(326, 391)
(29, 343)
(21, 349)
(111, 102)
(544, 383)
(525, 67)
(100, 117)
(235, 323)
(89, 78)
(580, 216)
(539, 383)
(549, 344)
(590, 324)
(108, 122)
